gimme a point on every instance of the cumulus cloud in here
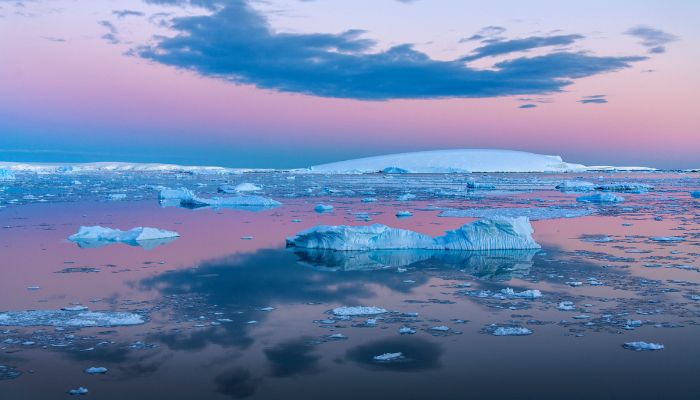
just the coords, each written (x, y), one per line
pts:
(655, 40)
(235, 43)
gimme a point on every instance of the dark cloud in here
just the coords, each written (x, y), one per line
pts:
(235, 43)
(529, 105)
(502, 47)
(594, 99)
(655, 40)
(127, 13)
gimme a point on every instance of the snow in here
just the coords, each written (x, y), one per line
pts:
(386, 357)
(534, 213)
(6, 175)
(350, 311)
(575, 186)
(601, 198)
(498, 233)
(186, 198)
(511, 331)
(452, 161)
(526, 294)
(643, 346)
(241, 187)
(75, 319)
(96, 236)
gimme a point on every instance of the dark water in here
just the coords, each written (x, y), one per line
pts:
(210, 334)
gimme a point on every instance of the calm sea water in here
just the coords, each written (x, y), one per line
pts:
(231, 313)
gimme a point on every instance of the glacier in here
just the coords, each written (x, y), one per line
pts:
(497, 233)
(97, 236)
(452, 161)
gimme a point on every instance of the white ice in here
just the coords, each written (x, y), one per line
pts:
(95, 236)
(643, 346)
(511, 331)
(601, 198)
(349, 311)
(77, 319)
(534, 213)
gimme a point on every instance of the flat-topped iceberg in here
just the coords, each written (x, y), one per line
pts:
(97, 236)
(186, 198)
(74, 319)
(451, 161)
(498, 233)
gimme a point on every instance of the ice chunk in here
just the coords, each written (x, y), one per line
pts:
(96, 236)
(566, 306)
(240, 188)
(6, 175)
(63, 318)
(472, 184)
(186, 198)
(321, 208)
(405, 330)
(575, 186)
(534, 213)
(498, 233)
(404, 214)
(625, 187)
(667, 239)
(643, 346)
(525, 294)
(447, 161)
(601, 198)
(511, 331)
(388, 357)
(350, 311)
(78, 392)
(406, 197)
(96, 370)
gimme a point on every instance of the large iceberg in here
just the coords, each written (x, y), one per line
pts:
(97, 236)
(498, 233)
(186, 198)
(447, 161)
(74, 319)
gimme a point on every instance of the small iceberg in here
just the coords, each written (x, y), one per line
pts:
(74, 319)
(98, 236)
(322, 208)
(404, 214)
(388, 357)
(601, 198)
(511, 331)
(576, 186)
(498, 233)
(96, 370)
(472, 184)
(525, 294)
(643, 346)
(625, 187)
(240, 188)
(353, 311)
(186, 198)
(78, 392)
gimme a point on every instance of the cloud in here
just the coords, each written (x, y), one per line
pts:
(111, 35)
(502, 47)
(529, 105)
(236, 44)
(484, 33)
(594, 99)
(655, 40)
(127, 13)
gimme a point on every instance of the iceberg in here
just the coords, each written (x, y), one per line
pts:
(452, 161)
(73, 319)
(498, 233)
(321, 208)
(97, 236)
(575, 186)
(6, 175)
(186, 198)
(625, 187)
(601, 198)
(525, 294)
(643, 346)
(241, 187)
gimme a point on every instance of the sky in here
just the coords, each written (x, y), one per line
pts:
(293, 83)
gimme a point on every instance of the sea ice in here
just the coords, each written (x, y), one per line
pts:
(511, 331)
(241, 187)
(352, 311)
(63, 318)
(533, 213)
(404, 214)
(387, 357)
(6, 175)
(566, 306)
(78, 392)
(601, 198)
(575, 186)
(525, 294)
(321, 208)
(96, 236)
(96, 370)
(625, 187)
(498, 233)
(643, 346)
(186, 198)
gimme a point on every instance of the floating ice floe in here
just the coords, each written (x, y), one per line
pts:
(666, 239)
(625, 187)
(350, 311)
(404, 214)
(96, 370)
(76, 319)
(405, 330)
(387, 357)
(566, 306)
(533, 213)
(498, 233)
(525, 294)
(576, 186)
(240, 188)
(472, 184)
(643, 346)
(511, 331)
(452, 161)
(6, 175)
(406, 197)
(186, 198)
(321, 208)
(78, 392)
(97, 236)
(601, 198)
